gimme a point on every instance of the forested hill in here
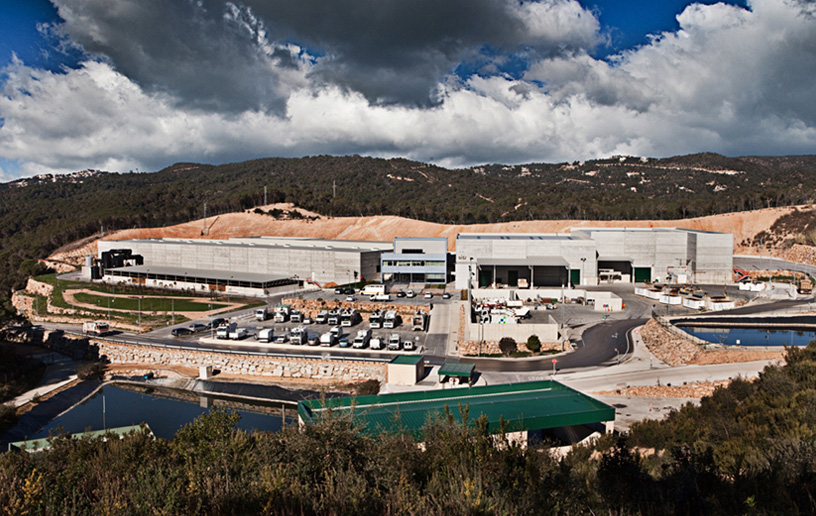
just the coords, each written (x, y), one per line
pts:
(37, 215)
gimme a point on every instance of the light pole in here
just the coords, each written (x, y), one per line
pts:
(583, 261)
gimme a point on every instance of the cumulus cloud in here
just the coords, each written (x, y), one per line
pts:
(216, 81)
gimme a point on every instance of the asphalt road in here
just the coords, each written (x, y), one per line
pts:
(752, 263)
(602, 344)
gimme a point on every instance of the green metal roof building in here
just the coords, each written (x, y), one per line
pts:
(525, 407)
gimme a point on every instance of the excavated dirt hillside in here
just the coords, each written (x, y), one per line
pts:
(744, 226)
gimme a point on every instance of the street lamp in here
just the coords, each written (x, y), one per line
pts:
(583, 261)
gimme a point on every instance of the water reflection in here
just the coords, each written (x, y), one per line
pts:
(165, 410)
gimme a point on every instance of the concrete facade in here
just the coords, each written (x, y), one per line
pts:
(589, 256)
(317, 260)
(417, 260)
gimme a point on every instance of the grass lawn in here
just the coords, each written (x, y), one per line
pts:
(148, 304)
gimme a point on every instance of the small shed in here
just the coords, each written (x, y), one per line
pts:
(406, 370)
(456, 372)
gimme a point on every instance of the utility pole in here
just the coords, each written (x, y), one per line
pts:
(334, 188)
(265, 203)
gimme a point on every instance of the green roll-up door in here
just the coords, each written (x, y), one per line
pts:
(485, 278)
(643, 274)
(575, 276)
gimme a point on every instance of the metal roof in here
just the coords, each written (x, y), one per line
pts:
(535, 261)
(514, 236)
(44, 444)
(407, 360)
(522, 406)
(296, 244)
(456, 369)
(209, 274)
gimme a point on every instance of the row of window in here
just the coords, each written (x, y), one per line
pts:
(413, 263)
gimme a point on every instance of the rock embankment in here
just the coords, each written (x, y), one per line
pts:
(311, 307)
(687, 390)
(675, 350)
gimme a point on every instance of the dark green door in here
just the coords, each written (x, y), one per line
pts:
(575, 276)
(643, 274)
(485, 278)
(512, 278)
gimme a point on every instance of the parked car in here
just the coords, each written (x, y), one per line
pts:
(181, 332)
(215, 323)
(410, 293)
(428, 295)
(400, 294)
(408, 345)
(446, 295)
(281, 339)
(196, 327)
(343, 342)
(348, 291)
(308, 320)
(351, 298)
(338, 291)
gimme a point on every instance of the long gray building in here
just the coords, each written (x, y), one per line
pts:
(589, 256)
(265, 258)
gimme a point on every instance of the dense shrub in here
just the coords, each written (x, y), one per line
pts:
(533, 343)
(507, 345)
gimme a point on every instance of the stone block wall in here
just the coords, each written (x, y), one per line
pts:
(239, 364)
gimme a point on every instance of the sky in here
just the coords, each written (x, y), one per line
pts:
(122, 85)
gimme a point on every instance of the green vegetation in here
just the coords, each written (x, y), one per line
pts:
(534, 343)
(507, 345)
(38, 218)
(748, 449)
(148, 303)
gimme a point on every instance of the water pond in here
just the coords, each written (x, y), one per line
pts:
(164, 410)
(752, 336)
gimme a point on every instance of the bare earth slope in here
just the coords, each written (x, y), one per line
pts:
(744, 226)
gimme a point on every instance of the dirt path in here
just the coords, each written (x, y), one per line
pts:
(69, 296)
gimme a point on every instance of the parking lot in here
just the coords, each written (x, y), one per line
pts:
(314, 331)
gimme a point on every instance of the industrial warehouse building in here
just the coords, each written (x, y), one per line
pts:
(589, 256)
(524, 409)
(248, 266)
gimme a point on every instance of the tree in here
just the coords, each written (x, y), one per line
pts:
(507, 345)
(534, 343)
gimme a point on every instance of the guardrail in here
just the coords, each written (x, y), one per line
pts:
(322, 356)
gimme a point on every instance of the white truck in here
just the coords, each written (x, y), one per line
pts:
(266, 334)
(375, 320)
(350, 317)
(261, 314)
(362, 339)
(238, 333)
(224, 331)
(328, 339)
(299, 336)
(281, 314)
(374, 289)
(381, 297)
(376, 343)
(334, 317)
(392, 319)
(394, 342)
(95, 327)
(322, 317)
(420, 321)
